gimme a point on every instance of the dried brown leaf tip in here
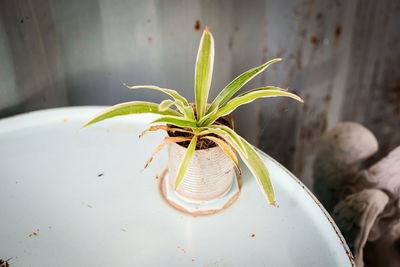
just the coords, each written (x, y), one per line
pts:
(167, 140)
(165, 128)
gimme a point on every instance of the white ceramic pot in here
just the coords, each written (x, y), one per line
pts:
(209, 174)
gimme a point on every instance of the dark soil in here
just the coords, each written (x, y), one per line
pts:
(201, 143)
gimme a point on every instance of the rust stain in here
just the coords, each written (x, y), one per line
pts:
(65, 120)
(150, 40)
(327, 98)
(305, 107)
(197, 25)
(314, 40)
(338, 31)
(123, 229)
(100, 174)
(253, 235)
(230, 42)
(90, 207)
(30, 235)
(50, 228)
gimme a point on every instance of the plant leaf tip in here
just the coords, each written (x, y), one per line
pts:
(207, 29)
(273, 203)
(84, 126)
(123, 83)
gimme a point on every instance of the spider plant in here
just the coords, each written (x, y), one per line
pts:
(199, 120)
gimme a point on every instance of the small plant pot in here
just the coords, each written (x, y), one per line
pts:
(210, 182)
(208, 177)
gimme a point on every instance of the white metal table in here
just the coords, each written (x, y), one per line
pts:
(82, 198)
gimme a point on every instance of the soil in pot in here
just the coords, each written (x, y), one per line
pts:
(201, 143)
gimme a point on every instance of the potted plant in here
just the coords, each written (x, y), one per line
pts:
(202, 142)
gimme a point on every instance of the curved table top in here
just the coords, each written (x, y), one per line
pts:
(82, 198)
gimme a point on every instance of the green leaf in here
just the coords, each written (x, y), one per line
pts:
(238, 83)
(244, 99)
(230, 135)
(135, 107)
(257, 167)
(206, 117)
(204, 70)
(165, 104)
(182, 104)
(178, 121)
(261, 89)
(169, 92)
(185, 162)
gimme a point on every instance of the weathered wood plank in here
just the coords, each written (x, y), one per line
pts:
(32, 43)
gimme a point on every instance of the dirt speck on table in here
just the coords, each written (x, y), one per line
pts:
(4, 263)
(181, 248)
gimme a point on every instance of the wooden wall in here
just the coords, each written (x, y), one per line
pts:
(342, 57)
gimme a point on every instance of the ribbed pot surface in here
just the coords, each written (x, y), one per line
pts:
(209, 175)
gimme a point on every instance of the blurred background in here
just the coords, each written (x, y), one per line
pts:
(341, 57)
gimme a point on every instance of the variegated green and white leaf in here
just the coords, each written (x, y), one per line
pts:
(134, 107)
(261, 89)
(220, 133)
(238, 83)
(204, 70)
(257, 167)
(165, 104)
(228, 134)
(176, 120)
(181, 102)
(206, 117)
(244, 99)
(186, 161)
